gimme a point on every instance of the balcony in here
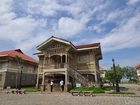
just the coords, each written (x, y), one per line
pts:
(56, 66)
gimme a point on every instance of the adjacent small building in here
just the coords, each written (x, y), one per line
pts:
(59, 60)
(103, 72)
(138, 72)
(17, 69)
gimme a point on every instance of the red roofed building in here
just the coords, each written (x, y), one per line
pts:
(59, 60)
(17, 69)
(138, 71)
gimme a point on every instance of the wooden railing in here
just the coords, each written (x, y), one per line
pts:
(78, 76)
(57, 66)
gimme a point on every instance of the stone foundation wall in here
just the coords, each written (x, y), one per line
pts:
(2, 79)
(27, 79)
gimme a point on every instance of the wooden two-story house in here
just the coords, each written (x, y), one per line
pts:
(59, 60)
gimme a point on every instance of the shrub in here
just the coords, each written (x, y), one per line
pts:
(107, 88)
(89, 89)
(98, 90)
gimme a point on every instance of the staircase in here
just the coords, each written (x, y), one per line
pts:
(79, 77)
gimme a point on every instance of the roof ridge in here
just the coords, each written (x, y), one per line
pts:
(53, 38)
(16, 50)
(88, 44)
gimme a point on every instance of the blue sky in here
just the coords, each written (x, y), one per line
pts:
(114, 23)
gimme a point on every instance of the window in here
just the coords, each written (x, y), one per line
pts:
(0, 77)
(12, 77)
(34, 69)
(3, 65)
(83, 58)
(0, 65)
(63, 59)
(23, 78)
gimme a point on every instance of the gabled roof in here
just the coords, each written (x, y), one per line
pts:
(78, 47)
(18, 52)
(138, 66)
(55, 39)
(88, 45)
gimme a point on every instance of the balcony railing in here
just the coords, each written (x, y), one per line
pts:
(56, 66)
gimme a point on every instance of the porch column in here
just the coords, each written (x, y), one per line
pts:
(37, 82)
(61, 59)
(66, 81)
(49, 60)
(96, 79)
(66, 58)
(43, 82)
(66, 61)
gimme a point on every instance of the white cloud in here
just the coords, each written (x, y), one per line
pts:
(79, 13)
(132, 2)
(53, 7)
(98, 28)
(6, 11)
(18, 29)
(43, 7)
(124, 36)
(115, 17)
(69, 26)
(32, 42)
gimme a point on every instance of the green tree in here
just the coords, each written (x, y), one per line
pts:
(110, 75)
(130, 73)
(119, 73)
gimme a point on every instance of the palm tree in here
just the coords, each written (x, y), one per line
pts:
(18, 77)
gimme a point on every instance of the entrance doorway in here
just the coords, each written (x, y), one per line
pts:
(56, 78)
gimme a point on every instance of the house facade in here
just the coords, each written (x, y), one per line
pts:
(138, 72)
(17, 69)
(59, 60)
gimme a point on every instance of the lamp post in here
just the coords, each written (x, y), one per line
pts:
(116, 78)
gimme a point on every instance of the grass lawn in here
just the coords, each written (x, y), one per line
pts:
(88, 89)
(107, 88)
(31, 89)
(94, 89)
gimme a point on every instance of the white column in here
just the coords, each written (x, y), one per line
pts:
(37, 82)
(49, 59)
(43, 79)
(96, 79)
(66, 58)
(61, 59)
(66, 81)
(43, 82)
(44, 61)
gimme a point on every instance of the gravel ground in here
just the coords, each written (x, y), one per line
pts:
(64, 99)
